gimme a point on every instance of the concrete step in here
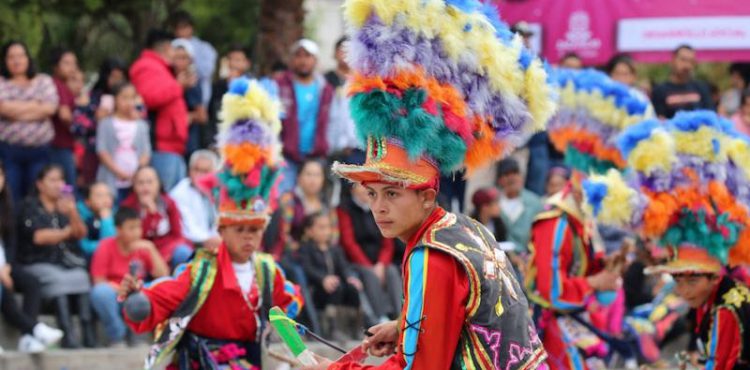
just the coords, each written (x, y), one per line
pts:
(122, 359)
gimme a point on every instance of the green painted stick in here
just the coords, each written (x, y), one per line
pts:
(288, 333)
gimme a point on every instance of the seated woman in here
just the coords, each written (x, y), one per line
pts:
(36, 336)
(160, 216)
(50, 229)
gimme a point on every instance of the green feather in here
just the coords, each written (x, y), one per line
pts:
(381, 114)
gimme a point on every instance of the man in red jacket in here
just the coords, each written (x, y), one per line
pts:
(162, 93)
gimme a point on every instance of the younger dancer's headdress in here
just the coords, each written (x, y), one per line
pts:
(593, 110)
(437, 86)
(687, 187)
(250, 152)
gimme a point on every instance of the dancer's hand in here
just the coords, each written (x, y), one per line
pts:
(383, 340)
(323, 363)
(128, 284)
(605, 280)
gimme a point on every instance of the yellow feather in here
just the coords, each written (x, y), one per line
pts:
(616, 207)
(655, 153)
(739, 152)
(537, 94)
(255, 104)
(700, 143)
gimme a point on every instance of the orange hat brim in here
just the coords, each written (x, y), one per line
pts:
(232, 218)
(689, 260)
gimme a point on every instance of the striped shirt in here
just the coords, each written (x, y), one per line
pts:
(28, 133)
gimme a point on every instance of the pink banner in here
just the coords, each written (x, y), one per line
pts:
(646, 29)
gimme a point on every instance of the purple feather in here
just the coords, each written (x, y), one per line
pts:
(248, 131)
(381, 50)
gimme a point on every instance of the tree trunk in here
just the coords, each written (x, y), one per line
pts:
(281, 24)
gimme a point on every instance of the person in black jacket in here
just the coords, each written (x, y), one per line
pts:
(336, 289)
(36, 336)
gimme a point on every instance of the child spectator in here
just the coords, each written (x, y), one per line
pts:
(160, 216)
(112, 261)
(122, 142)
(96, 212)
(84, 129)
(335, 285)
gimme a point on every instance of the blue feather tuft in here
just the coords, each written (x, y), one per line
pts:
(595, 194)
(630, 138)
(525, 58)
(239, 86)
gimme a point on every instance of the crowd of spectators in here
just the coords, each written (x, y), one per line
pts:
(98, 182)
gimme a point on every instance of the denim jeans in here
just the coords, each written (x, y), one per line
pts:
(170, 167)
(22, 163)
(104, 302)
(64, 158)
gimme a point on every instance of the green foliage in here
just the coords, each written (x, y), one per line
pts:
(97, 29)
(225, 22)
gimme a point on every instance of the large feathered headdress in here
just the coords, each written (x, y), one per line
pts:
(438, 86)
(593, 110)
(687, 187)
(251, 154)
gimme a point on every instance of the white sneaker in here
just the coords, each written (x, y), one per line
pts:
(47, 335)
(29, 344)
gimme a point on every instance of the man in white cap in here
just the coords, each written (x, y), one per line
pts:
(307, 98)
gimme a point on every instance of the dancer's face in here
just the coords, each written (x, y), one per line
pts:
(241, 241)
(399, 212)
(695, 289)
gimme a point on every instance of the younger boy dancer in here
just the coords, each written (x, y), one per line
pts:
(689, 190)
(214, 312)
(440, 88)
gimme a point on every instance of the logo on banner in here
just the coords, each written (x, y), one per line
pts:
(579, 37)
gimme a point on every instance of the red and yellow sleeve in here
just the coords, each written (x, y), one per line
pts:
(436, 293)
(164, 297)
(551, 255)
(725, 340)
